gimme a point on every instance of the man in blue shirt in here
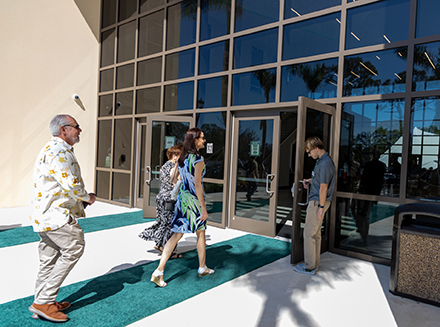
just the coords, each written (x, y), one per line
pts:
(322, 186)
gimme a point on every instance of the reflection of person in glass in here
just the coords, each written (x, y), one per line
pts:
(252, 178)
(371, 183)
(190, 214)
(160, 232)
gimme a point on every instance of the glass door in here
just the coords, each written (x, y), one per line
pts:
(162, 132)
(253, 174)
(314, 119)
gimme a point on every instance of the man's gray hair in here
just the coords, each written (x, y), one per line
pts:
(57, 122)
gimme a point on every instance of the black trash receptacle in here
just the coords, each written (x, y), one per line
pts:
(415, 261)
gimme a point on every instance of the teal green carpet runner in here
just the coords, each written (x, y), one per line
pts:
(24, 235)
(121, 298)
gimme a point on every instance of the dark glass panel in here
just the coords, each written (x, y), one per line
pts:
(126, 41)
(256, 49)
(151, 34)
(102, 184)
(124, 76)
(214, 58)
(427, 18)
(424, 154)
(106, 105)
(124, 103)
(106, 80)
(180, 64)
(377, 23)
(379, 72)
(214, 19)
(150, 4)
(365, 226)
(212, 92)
(148, 100)
(127, 9)
(121, 188)
(179, 96)
(314, 80)
(253, 13)
(213, 125)
(181, 24)
(254, 87)
(214, 201)
(312, 37)
(370, 154)
(426, 75)
(149, 71)
(122, 145)
(108, 47)
(297, 8)
(108, 12)
(141, 167)
(104, 143)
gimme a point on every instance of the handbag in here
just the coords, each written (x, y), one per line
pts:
(169, 205)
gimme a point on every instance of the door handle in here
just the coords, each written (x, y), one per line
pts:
(148, 171)
(267, 183)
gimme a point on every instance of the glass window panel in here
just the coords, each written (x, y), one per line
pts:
(214, 201)
(104, 143)
(122, 144)
(121, 188)
(423, 161)
(214, 19)
(124, 103)
(296, 8)
(146, 5)
(127, 9)
(124, 76)
(371, 147)
(180, 64)
(151, 34)
(106, 105)
(108, 12)
(149, 71)
(126, 41)
(102, 184)
(365, 226)
(106, 80)
(376, 23)
(253, 13)
(254, 87)
(179, 96)
(181, 24)
(212, 92)
(427, 17)
(426, 74)
(214, 58)
(256, 49)
(315, 80)
(213, 125)
(368, 73)
(148, 100)
(324, 31)
(108, 47)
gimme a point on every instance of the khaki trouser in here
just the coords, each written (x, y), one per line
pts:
(312, 234)
(59, 251)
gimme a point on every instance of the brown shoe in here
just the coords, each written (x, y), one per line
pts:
(49, 312)
(63, 305)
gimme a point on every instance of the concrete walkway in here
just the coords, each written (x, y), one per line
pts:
(345, 292)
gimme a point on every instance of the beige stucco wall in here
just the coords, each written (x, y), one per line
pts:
(49, 51)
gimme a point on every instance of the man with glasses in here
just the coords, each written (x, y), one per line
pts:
(322, 186)
(58, 199)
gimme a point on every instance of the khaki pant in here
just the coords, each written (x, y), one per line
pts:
(59, 251)
(312, 234)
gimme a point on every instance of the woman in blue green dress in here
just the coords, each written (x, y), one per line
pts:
(190, 211)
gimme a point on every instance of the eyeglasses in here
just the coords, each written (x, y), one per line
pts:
(308, 152)
(74, 126)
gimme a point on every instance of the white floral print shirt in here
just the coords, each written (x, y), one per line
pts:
(58, 187)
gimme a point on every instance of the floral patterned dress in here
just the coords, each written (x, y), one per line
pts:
(188, 210)
(160, 232)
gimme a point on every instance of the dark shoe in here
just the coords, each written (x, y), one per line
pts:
(49, 312)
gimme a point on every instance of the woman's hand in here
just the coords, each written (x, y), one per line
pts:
(204, 215)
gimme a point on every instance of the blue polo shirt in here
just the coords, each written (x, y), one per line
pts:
(323, 173)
